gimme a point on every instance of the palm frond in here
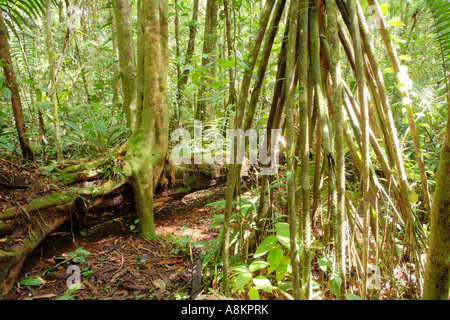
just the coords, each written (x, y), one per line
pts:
(440, 10)
(22, 12)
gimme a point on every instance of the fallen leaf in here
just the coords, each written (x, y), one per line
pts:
(159, 284)
(121, 292)
(111, 248)
(170, 262)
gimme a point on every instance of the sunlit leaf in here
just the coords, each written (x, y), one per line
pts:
(396, 23)
(241, 280)
(274, 259)
(257, 265)
(265, 246)
(262, 283)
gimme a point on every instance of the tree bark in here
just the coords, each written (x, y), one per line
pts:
(363, 104)
(189, 52)
(234, 171)
(148, 145)
(290, 104)
(231, 78)
(437, 269)
(11, 84)
(303, 203)
(407, 102)
(335, 70)
(204, 107)
(127, 59)
(52, 69)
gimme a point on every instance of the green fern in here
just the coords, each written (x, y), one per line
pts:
(21, 13)
(440, 10)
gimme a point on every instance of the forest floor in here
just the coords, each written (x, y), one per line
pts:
(116, 263)
(113, 262)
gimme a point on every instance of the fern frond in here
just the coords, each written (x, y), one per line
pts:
(440, 10)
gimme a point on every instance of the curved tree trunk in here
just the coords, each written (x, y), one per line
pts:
(11, 84)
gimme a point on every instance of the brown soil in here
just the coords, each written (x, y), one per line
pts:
(120, 265)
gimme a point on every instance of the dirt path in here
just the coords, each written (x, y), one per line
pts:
(116, 264)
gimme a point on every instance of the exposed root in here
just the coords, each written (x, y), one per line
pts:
(24, 226)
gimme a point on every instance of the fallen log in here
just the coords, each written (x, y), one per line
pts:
(24, 226)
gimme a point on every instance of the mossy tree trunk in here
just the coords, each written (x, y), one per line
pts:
(335, 70)
(364, 120)
(304, 149)
(437, 269)
(147, 147)
(127, 58)
(290, 105)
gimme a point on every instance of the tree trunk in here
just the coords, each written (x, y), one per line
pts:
(52, 69)
(189, 52)
(303, 140)
(26, 226)
(437, 269)
(362, 98)
(233, 177)
(290, 104)
(126, 59)
(335, 70)
(407, 102)
(148, 145)
(11, 84)
(116, 79)
(205, 108)
(231, 78)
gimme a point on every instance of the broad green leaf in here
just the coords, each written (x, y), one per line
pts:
(240, 269)
(262, 283)
(396, 23)
(29, 81)
(31, 281)
(65, 297)
(216, 203)
(405, 57)
(349, 296)
(253, 294)
(324, 264)
(283, 236)
(81, 251)
(274, 259)
(191, 23)
(400, 41)
(44, 104)
(413, 197)
(188, 67)
(283, 268)
(257, 265)
(244, 65)
(45, 90)
(229, 64)
(241, 280)
(7, 93)
(335, 285)
(384, 8)
(215, 84)
(282, 225)
(265, 246)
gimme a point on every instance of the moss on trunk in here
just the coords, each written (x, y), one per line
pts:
(437, 270)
